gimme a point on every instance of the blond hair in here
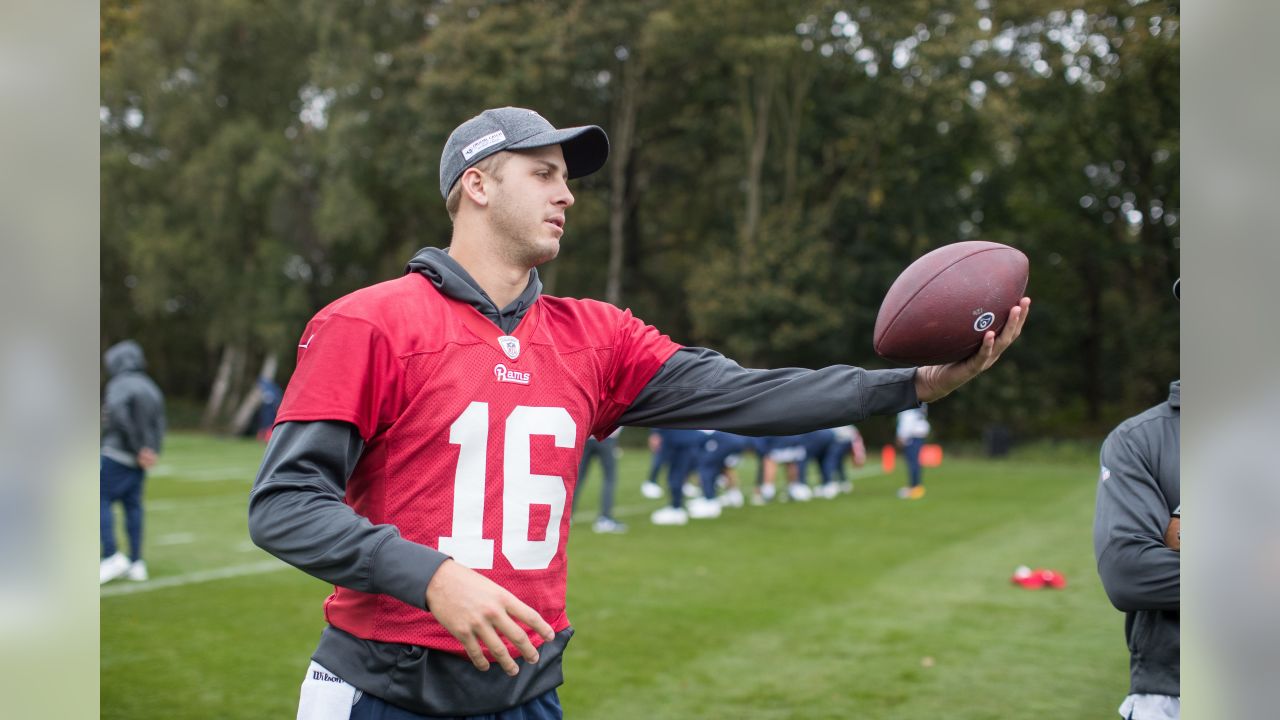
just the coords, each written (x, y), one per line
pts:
(491, 166)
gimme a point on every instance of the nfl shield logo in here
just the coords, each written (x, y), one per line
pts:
(510, 346)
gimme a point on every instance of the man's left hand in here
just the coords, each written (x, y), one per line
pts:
(934, 382)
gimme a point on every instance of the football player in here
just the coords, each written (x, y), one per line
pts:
(720, 456)
(426, 449)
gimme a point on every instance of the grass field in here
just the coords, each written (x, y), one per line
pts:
(865, 606)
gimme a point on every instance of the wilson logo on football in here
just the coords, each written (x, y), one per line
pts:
(503, 374)
(984, 321)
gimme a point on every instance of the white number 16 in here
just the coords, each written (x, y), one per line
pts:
(520, 487)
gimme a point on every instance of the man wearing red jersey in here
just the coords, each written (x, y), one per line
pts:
(426, 450)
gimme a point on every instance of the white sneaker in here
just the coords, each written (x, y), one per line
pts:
(111, 568)
(608, 525)
(768, 492)
(846, 487)
(651, 490)
(669, 516)
(138, 571)
(704, 508)
(692, 491)
(827, 491)
(799, 493)
(732, 498)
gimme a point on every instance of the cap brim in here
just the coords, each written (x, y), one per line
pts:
(585, 148)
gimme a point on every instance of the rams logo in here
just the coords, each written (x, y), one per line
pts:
(504, 374)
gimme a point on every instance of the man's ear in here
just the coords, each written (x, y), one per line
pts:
(475, 186)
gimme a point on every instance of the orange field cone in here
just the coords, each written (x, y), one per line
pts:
(888, 458)
(930, 455)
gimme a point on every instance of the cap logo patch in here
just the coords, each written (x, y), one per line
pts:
(483, 143)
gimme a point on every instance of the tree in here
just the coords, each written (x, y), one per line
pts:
(774, 167)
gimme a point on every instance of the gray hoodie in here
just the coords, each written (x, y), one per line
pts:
(132, 406)
(1138, 490)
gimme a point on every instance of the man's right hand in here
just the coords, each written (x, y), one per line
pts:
(479, 612)
(1173, 534)
(934, 382)
(147, 458)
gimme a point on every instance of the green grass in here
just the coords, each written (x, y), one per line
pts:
(864, 606)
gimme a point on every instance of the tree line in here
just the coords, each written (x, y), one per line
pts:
(774, 166)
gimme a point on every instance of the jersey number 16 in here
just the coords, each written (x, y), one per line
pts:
(520, 487)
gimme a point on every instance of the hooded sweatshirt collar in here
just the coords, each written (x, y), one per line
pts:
(451, 279)
(1175, 394)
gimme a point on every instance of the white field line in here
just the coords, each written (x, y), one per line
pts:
(201, 576)
(266, 566)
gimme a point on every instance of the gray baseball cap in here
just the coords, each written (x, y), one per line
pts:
(509, 128)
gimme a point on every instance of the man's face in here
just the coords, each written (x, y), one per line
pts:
(527, 207)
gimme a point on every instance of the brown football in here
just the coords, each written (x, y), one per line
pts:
(940, 307)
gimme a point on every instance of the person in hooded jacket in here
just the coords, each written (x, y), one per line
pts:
(1137, 539)
(133, 426)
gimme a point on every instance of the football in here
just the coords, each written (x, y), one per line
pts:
(939, 308)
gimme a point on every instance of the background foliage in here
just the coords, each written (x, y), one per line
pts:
(775, 165)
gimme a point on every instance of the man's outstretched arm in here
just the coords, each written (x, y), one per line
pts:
(699, 388)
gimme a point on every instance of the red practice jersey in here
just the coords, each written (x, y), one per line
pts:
(472, 437)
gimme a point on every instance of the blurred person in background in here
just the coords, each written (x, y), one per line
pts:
(1137, 538)
(430, 436)
(720, 455)
(133, 428)
(789, 455)
(657, 458)
(763, 492)
(913, 428)
(271, 394)
(684, 450)
(824, 449)
(781, 455)
(606, 451)
(849, 444)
